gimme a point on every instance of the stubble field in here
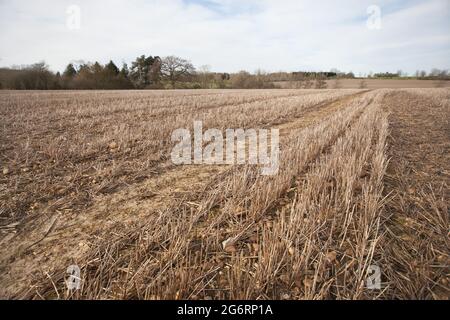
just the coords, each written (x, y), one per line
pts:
(87, 180)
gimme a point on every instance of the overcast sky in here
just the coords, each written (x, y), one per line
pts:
(231, 35)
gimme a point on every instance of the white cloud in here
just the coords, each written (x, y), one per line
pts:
(229, 36)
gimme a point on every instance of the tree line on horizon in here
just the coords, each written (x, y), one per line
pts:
(154, 72)
(144, 72)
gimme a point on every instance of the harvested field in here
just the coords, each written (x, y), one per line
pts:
(375, 83)
(88, 180)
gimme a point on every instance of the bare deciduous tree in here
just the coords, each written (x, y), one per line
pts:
(175, 68)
